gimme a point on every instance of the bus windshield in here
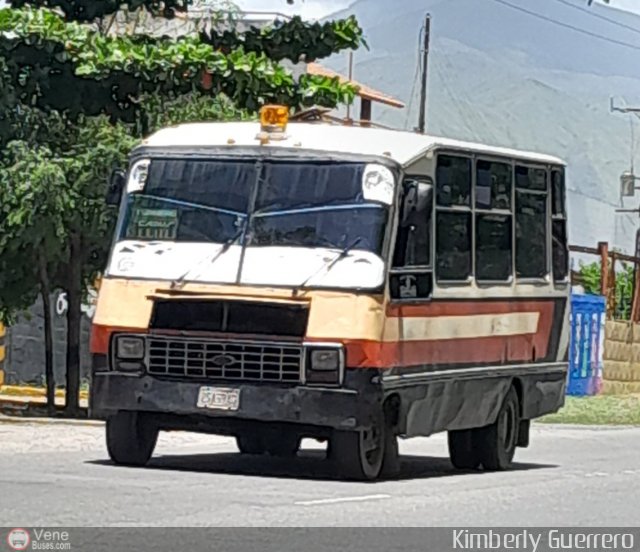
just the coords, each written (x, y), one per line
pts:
(296, 204)
(284, 204)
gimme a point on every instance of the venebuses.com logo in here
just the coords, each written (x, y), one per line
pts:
(18, 539)
(38, 539)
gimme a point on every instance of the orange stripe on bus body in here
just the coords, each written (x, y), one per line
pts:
(486, 349)
(415, 352)
(462, 308)
(518, 348)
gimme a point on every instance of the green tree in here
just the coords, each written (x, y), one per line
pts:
(54, 223)
(31, 231)
(74, 97)
(590, 278)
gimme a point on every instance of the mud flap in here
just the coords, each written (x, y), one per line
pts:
(523, 433)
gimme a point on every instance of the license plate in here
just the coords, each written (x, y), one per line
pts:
(219, 398)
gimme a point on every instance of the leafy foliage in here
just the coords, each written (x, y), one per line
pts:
(49, 193)
(158, 112)
(90, 10)
(294, 40)
(590, 277)
(71, 68)
(30, 222)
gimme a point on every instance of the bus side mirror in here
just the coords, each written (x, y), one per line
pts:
(417, 202)
(116, 187)
(415, 221)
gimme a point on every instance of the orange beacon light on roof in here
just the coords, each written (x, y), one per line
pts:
(274, 118)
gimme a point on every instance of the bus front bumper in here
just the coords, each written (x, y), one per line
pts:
(334, 408)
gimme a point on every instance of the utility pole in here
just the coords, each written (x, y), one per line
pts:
(350, 80)
(422, 122)
(627, 189)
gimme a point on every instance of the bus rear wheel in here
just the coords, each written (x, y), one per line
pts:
(496, 443)
(131, 438)
(462, 451)
(284, 445)
(250, 443)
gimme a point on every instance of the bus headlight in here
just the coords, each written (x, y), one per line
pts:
(324, 365)
(327, 360)
(130, 348)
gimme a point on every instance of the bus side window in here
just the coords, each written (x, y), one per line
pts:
(493, 222)
(453, 219)
(411, 273)
(531, 222)
(560, 252)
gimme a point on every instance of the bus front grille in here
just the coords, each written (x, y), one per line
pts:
(225, 360)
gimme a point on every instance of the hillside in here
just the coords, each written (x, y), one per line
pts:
(504, 77)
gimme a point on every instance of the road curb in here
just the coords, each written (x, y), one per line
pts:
(32, 391)
(595, 427)
(34, 409)
(5, 419)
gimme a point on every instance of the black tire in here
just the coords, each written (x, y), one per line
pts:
(496, 443)
(283, 445)
(250, 443)
(131, 438)
(365, 455)
(354, 458)
(391, 460)
(464, 455)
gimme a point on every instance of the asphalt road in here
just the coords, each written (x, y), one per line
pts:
(57, 474)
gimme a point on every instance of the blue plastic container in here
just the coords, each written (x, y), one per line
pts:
(586, 351)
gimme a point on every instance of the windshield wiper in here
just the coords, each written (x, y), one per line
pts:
(180, 281)
(343, 254)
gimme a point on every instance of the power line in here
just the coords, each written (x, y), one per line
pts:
(598, 16)
(567, 26)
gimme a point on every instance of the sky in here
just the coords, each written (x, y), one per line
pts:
(309, 9)
(313, 9)
(628, 5)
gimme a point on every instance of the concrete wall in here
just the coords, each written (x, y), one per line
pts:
(25, 348)
(621, 358)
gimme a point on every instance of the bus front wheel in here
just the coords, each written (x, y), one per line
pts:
(365, 455)
(131, 438)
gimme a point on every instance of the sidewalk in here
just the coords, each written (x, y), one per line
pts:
(32, 401)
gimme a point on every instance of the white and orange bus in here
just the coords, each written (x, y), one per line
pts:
(281, 280)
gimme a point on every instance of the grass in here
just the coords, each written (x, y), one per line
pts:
(599, 410)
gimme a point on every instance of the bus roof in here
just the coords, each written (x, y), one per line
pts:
(402, 146)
